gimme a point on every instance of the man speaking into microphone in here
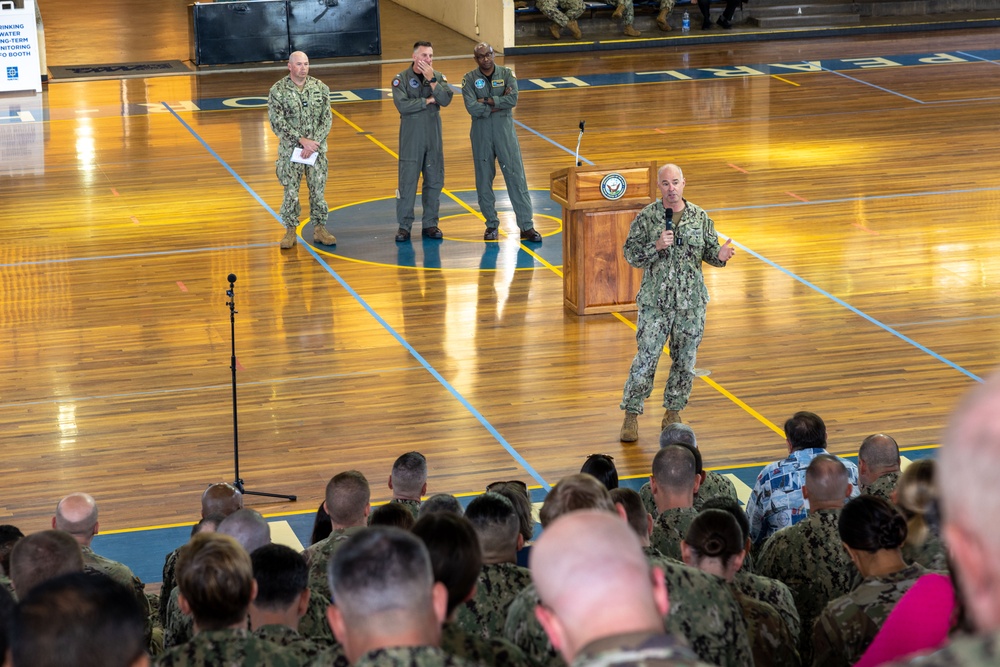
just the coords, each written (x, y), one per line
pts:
(669, 240)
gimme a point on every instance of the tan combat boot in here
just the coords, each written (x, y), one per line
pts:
(630, 428)
(671, 417)
(661, 20)
(555, 30)
(631, 32)
(619, 10)
(320, 235)
(289, 239)
(574, 30)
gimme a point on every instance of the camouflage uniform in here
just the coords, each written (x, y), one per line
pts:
(494, 140)
(493, 652)
(561, 12)
(776, 500)
(421, 146)
(410, 656)
(213, 648)
(319, 554)
(667, 5)
(628, 11)
(670, 528)
(169, 581)
(179, 627)
(638, 649)
(932, 554)
(671, 300)
(702, 610)
(974, 651)
(330, 657)
(303, 648)
(295, 113)
(772, 643)
(314, 624)
(883, 486)
(716, 485)
(412, 505)
(496, 587)
(773, 592)
(810, 559)
(849, 624)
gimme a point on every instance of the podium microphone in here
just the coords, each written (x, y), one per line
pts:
(576, 156)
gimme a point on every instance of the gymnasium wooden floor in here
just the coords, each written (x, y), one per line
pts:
(861, 193)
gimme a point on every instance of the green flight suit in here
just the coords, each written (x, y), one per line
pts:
(494, 140)
(421, 146)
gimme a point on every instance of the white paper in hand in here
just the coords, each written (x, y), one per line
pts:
(297, 157)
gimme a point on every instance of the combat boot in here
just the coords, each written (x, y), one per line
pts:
(661, 20)
(631, 32)
(289, 239)
(321, 235)
(671, 417)
(555, 30)
(619, 10)
(574, 30)
(630, 428)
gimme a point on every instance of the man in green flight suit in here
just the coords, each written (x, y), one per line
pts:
(490, 94)
(298, 107)
(672, 296)
(419, 92)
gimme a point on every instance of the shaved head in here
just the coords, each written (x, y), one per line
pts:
(76, 514)
(827, 480)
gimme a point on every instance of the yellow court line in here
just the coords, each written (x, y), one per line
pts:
(792, 83)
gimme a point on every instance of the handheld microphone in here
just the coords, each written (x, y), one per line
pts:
(667, 228)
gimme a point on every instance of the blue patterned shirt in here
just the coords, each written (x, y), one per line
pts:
(776, 500)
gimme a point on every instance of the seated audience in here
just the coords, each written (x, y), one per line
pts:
(387, 609)
(7, 605)
(282, 600)
(602, 466)
(456, 560)
(878, 465)
(674, 482)
(9, 536)
(517, 493)
(809, 557)
(712, 485)
(321, 525)
(495, 521)
(616, 616)
(408, 480)
(42, 556)
(216, 586)
(873, 533)
(79, 620)
(714, 544)
(776, 500)
(440, 502)
(916, 497)
(396, 515)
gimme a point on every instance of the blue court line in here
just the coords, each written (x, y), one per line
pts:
(980, 58)
(848, 200)
(860, 313)
(364, 304)
(554, 143)
(129, 255)
(212, 152)
(187, 390)
(948, 320)
(884, 90)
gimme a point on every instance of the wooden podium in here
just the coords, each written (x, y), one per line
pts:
(596, 277)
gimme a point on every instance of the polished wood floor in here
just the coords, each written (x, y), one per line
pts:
(865, 288)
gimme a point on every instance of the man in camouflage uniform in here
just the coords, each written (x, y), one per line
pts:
(408, 481)
(563, 14)
(777, 500)
(490, 94)
(387, 609)
(672, 296)
(809, 557)
(215, 581)
(77, 515)
(674, 483)
(713, 484)
(878, 465)
(617, 617)
(625, 12)
(419, 92)
(282, 578)
(298, 107)
(348, 502)
(702, 610)
(495, 521)
(666, 6)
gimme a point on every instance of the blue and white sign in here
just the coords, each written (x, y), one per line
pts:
(19, 56)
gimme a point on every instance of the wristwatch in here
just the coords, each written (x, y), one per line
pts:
(433, 79)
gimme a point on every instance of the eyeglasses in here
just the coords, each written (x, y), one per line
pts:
(481, 56)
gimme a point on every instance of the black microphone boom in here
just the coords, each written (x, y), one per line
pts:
(576, 156)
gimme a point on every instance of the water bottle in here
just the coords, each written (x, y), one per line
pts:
(686, 23)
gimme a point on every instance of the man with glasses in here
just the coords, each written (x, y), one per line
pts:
(490, 94)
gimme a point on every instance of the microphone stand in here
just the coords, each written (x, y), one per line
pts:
(236, 440)
(576, 156)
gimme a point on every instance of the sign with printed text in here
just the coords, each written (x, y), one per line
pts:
(19, 56)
